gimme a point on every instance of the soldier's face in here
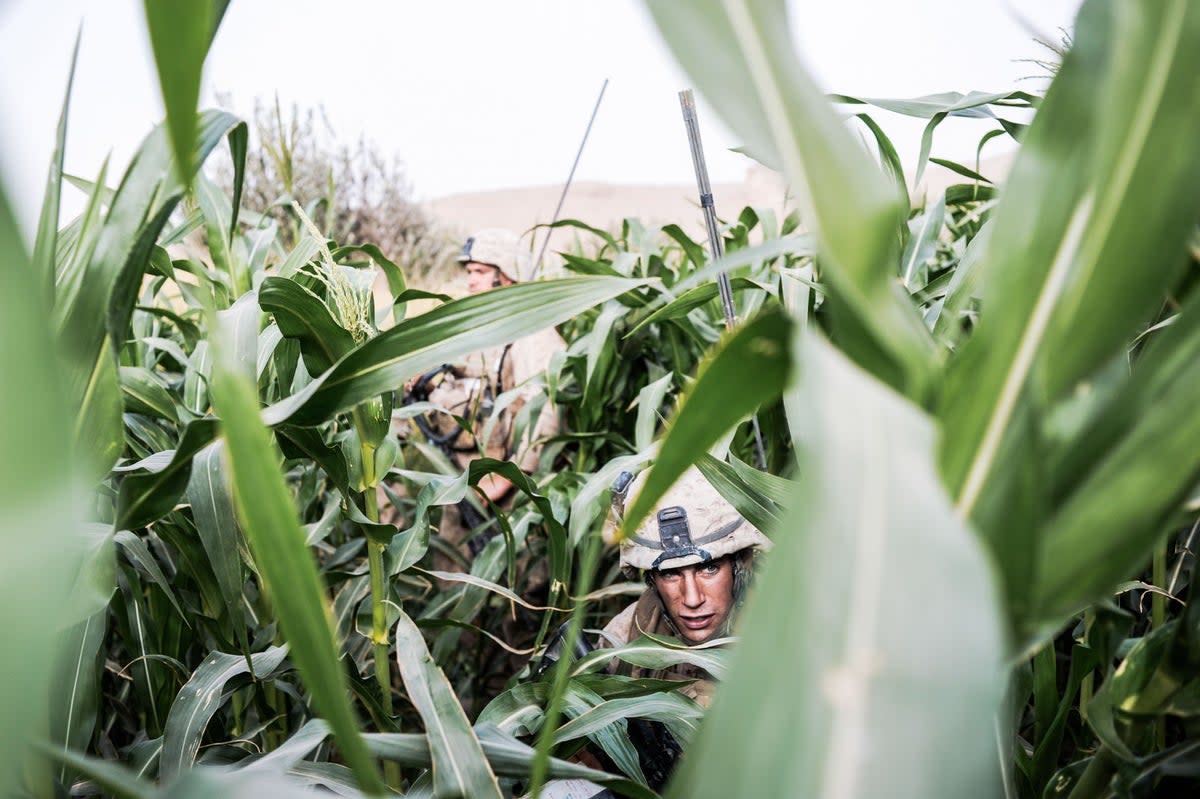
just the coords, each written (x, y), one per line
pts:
(482, 277)
(698, 598)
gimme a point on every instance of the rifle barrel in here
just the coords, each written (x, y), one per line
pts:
(687, 103)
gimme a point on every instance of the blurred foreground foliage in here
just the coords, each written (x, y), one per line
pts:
(981, 402)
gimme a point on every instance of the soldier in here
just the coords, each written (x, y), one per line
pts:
(493, 258)
(695, 553)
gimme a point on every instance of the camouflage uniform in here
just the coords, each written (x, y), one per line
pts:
(477, 384)
(470, 391)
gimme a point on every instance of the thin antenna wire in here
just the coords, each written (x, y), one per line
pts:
(562, 197)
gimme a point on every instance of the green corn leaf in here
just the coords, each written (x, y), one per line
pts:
(871, 540)
(218, 213)
(117, 780)
(180, 35)
(138, 554)
(439, 336)
(649, 402)
(973, 104)
(305, 740)
(754, 507)
(289, 573)
(690, 300)
(102, 296)
(46, 241)
(671, 706)
(216, 525)
(40, 502)
(143, 498)
(304, 316)
(749, 369)
(1124, 478)
(99, 431)
(777, 489)
(202, 697)
(77, 677)
(507, 756)
(145, 394)
(922, 242)
(1104, 179)
(459, 766)
(651, 653)
(740, 56)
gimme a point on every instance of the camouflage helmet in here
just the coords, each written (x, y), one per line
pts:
(691, 523)
(499, 248)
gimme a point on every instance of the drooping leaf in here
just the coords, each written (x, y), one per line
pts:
(142, 498)
(200, 698)
(302, 315)
(459, 766)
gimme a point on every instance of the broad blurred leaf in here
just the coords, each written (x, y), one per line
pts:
(459, 767)
(1124, 477)
(874, 701)
(102, 296)
(115, 779)
(180, 35)
(1106, 177)
(40, 501)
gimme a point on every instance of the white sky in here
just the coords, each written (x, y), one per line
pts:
(478, 95)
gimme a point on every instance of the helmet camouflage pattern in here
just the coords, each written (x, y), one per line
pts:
(499, 248)
(691, 523)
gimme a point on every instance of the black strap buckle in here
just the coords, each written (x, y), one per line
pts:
(676, 537)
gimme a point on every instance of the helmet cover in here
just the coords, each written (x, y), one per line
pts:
(692, 523)
(499, 248)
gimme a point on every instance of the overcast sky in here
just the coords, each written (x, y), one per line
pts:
(482, 95)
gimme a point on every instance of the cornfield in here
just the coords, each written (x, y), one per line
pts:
(980, 470)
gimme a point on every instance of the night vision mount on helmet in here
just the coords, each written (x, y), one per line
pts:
(691, 524)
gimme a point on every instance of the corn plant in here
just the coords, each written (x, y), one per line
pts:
(984, 418)
(983, 477)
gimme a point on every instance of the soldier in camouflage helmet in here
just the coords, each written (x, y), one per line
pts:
(695, 553)
(494, 258)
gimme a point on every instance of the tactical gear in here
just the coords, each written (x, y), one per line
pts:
(691, 524)
(499, 248)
